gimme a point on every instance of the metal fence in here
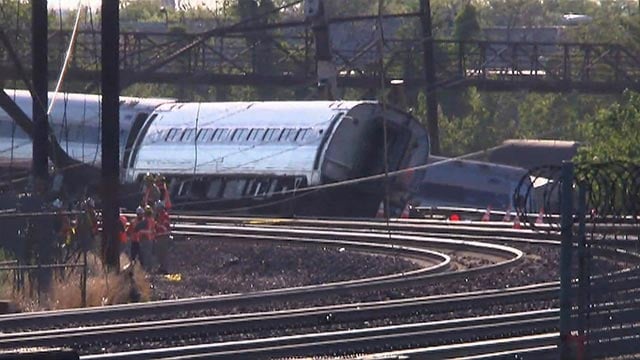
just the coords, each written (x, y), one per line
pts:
(599, 207)
(43, 249)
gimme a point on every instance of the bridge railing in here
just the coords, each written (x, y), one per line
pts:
(255, 57)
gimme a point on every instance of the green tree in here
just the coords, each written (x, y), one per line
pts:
(466, 24)
(613, 132)
(455, 102)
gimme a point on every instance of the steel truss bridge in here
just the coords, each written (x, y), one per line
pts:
(284, 55)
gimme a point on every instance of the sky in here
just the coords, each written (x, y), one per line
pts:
(73, 4)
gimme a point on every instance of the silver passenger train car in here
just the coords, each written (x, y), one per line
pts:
(75, 122)
(279, 157)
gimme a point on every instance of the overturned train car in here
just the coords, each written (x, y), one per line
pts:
(75, 121)
(286, 158)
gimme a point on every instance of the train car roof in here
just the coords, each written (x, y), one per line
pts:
(533, 153)
(129, 101)
(468, 172)
(255, 114)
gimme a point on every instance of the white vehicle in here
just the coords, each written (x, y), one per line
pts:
(260, 156)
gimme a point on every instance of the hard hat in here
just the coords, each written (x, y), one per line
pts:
(148, 210)
(90, 202)
(139, 211)
(57, 204)
(159, 204)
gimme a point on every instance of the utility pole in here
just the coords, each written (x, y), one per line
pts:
(430, 77)
(327, 73)
(40, 161)
(39, 79)
(110, 132)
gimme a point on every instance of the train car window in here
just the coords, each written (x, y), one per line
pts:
(301, 135)
(216, 135)
(184, 188)
(252, 134)
(171, 135)
(233, 189)
(258, 188)
(244, 135)
(235, 134)
(261, 187)
(272, 188)
(199, 188)
(173, 185)
(284, 134)
(293, 134)
(276, 135)
(250, 187)
(214, 189)
(203, 135)
(267, 134)
(224, 134)
(188, 135)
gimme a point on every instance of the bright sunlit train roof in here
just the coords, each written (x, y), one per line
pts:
(256, 114)
(61, 97)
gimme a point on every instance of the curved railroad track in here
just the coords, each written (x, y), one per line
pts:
(317, 328)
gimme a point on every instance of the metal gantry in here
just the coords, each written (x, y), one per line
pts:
(224, 57)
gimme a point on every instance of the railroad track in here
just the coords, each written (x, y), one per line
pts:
(407, 238)
(289, 236)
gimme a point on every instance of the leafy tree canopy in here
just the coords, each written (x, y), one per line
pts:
(612, 133)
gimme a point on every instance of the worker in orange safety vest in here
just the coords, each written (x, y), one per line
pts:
(163, 236)
(134, 235)
(147, 234)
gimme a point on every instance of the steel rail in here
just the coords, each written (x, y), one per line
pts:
(335, 342)
(192, 325)
(298, 318)
(440, 336)
(118, 311)
(26, 320)
(488, 229)
(246, 322)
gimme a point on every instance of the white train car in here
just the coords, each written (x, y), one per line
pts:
(259, 157)
(75, 122)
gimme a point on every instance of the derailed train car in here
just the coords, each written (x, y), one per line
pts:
(75, 122)
(285, 158)
(471, 184)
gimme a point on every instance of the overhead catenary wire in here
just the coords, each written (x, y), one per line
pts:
(67, 57)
